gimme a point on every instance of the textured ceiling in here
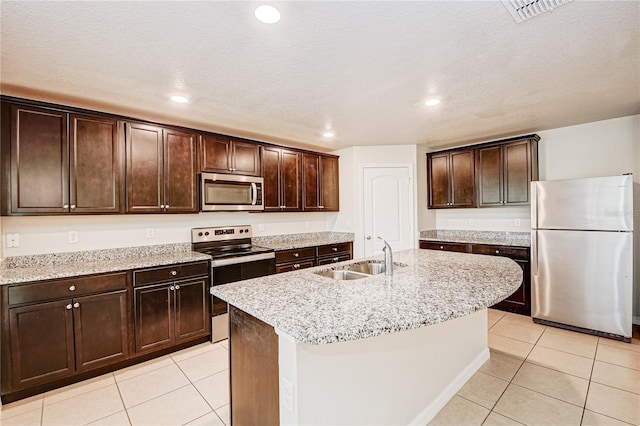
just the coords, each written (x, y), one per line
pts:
(361, 68)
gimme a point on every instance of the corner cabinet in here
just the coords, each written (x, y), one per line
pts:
(321, 182)
(223, 154)
(161, 170)
(58, 328)
(282, 179)
(451, 176)
(505, 172)
(519, 301)
(61, 163)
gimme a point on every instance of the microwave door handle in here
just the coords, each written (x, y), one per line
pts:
(254, 193)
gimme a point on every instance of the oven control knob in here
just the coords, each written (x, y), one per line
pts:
(246, 230)
(241, 231)
(206, 234)
(199, 234)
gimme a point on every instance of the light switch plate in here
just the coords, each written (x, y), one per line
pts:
(151, 233)
(518, 222)
(13, 240)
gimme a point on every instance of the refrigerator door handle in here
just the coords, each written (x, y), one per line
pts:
(534, 205)
(534, 253)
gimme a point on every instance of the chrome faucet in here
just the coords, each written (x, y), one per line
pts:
(388, 258)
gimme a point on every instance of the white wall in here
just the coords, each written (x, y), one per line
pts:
(426, 218)
(48, 234)
(350, 217)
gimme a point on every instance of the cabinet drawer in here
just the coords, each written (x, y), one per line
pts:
(295, 254)
(334, 249)
(294, 266)
(72, 287)
(170, 273)
(435, 245)
(334, 259)
(495, 250)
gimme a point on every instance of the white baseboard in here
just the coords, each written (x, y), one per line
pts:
(441, 400)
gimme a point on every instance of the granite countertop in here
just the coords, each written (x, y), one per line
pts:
(502, 238)
(310, 239)
(21, 269)
(430, 288)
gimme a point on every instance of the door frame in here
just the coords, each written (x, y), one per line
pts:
(361, 235)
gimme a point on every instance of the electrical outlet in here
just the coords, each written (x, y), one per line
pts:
(518, 222)
(73, 237)
(287, 394)
(151, 233)
(13, 240)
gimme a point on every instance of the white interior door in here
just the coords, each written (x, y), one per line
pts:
(387, 208)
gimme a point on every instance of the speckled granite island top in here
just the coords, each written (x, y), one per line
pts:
(295, 241)
(21, 269)
(502, 238)
(432, 287)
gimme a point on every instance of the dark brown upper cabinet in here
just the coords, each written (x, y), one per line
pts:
(161, 170)
(505, 171)
(222, 154)
(282, 188)
(321, 182)
(61, 163)
(451, 176)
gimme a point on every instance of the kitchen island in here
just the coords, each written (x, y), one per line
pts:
(307, 349)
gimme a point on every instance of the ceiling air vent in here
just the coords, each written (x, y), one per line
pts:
(521, 10)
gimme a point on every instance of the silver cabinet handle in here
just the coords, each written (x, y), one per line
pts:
(335, 259)
(296, 265)
(322, 207)
(76, 305)
(65, 206)
(68, 306)
(172, 288)
(166, 206)
(174, 273)
(72, 288)
(497, 251)
(334, 248)
(73, 206)
(296, 255)
(442, 247)
(368, 237)
(177, 287)
(162, 206)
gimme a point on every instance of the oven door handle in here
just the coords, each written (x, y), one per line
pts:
(254, 193)
(242, 259)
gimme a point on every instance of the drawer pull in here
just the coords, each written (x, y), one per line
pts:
(334, 248)
(296, 266)
(441, 247)
(68, 306)
(296, 254)
(177, 287)
(172, 288)
(497, 251)
(174, 273)
(335, 259)
(76, 305)
(72, 288)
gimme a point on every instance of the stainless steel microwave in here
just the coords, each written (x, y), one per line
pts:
(220, 192)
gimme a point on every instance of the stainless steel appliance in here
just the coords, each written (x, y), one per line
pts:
(234, 258)
(582, 254)
(220, 192)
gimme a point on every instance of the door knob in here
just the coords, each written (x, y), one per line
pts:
(368, 237)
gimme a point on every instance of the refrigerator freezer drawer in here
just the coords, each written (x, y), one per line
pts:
(583, 279)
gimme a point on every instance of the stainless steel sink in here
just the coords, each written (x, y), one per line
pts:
(342, 274)
(369, 267)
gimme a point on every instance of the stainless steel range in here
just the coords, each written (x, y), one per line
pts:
(234, 258)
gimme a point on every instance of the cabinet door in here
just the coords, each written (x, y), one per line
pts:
(154, 317)
(517, 172)
(180, 187)
(462, 175)
(490, 184)
(101, 329)
(215, 154)
(39, 161)
(41, 343)
(438, 175)
(520, 301)
(94, 165)
(192, 312)
(245, 158)
(271, 173)
(291, 181)
(311, 170)
(144, 168)
(330, 186)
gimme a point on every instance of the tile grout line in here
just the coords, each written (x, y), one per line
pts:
(126, 411)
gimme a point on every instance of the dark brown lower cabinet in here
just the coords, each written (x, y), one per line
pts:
(307, 257)
(170, 313)
(520, 301)
(56, 339)
(254, 374)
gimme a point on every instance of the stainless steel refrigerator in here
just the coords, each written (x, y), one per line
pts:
(582, 254)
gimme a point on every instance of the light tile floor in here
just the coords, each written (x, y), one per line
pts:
(537, 375)
(540, 375)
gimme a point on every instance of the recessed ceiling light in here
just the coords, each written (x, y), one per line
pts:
(329, 134)
(267, 14)
(432, 102)
(179, 99)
